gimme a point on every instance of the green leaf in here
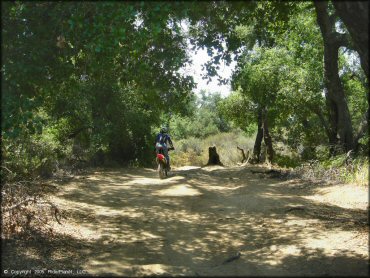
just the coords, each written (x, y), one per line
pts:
(71, 23)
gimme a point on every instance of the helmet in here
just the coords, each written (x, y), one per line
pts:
(163, 129)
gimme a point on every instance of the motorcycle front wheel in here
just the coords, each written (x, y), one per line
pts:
(161, 170)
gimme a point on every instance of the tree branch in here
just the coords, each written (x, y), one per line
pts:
(57, 214)
(318, 112)
(19, 204)
(7, 169)
(245, 158)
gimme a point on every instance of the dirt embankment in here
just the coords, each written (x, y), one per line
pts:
(202, 222)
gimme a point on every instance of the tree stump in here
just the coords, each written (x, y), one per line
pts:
(213, 157)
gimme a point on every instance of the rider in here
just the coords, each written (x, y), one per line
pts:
(161, 141)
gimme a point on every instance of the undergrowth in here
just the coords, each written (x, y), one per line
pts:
(194, 151)
(340, 168)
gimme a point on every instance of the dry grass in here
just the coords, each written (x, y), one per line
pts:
(194, 151)
(337, 169)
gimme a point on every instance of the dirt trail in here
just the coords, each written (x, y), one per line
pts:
(127, 222)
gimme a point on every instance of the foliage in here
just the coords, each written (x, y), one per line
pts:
(287, 161)
(280, 66)
(99, 83)
(286, 78)
(354, 83)
(82, 86)
(204, 120)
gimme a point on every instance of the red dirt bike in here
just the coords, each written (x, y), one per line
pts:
(162, 163)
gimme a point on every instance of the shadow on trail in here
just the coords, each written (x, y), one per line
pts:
(41, 252)
(191, 222)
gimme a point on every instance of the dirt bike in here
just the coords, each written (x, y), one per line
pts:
(162, 163)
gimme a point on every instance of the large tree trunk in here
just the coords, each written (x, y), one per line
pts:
(355, 16)
(259, 137)
(262, 134)
(330, 132)
(333, 123)
(340, 119)
(267, 138)
(362, 130)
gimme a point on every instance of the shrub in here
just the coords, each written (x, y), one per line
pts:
(287, 161)
(337, 169)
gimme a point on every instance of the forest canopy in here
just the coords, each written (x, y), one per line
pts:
(91, 82)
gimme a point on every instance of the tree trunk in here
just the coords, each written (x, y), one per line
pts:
(340, 119)
(330, 132)
(258, 141)
(362, 129)
(355, 16)
(267, 138)
(333, 122)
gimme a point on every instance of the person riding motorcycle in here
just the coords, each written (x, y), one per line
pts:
(162, 140)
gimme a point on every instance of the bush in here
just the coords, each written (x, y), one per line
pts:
(286, 161)
(28, 159)
(340, 168)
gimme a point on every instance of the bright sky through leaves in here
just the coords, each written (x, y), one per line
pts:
(195, 69)
(199, 58)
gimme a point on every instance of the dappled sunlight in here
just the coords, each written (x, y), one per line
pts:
(274, 195)
(133, 270)
(355, 199)
(212, 168)
(127, 212)
(188, 224)
(32, 253)
(186, 217)
(111, 268)
(145, 181)
(298, 222)
(178, 191)
(154, 181)
(220, 188)
(340, 240)
(186, 168)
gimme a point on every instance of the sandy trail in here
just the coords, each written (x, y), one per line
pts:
(127, 222)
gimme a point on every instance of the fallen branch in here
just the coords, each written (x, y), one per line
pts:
(57, 215)
(7, 169)
(246, 157)
(19, 204)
